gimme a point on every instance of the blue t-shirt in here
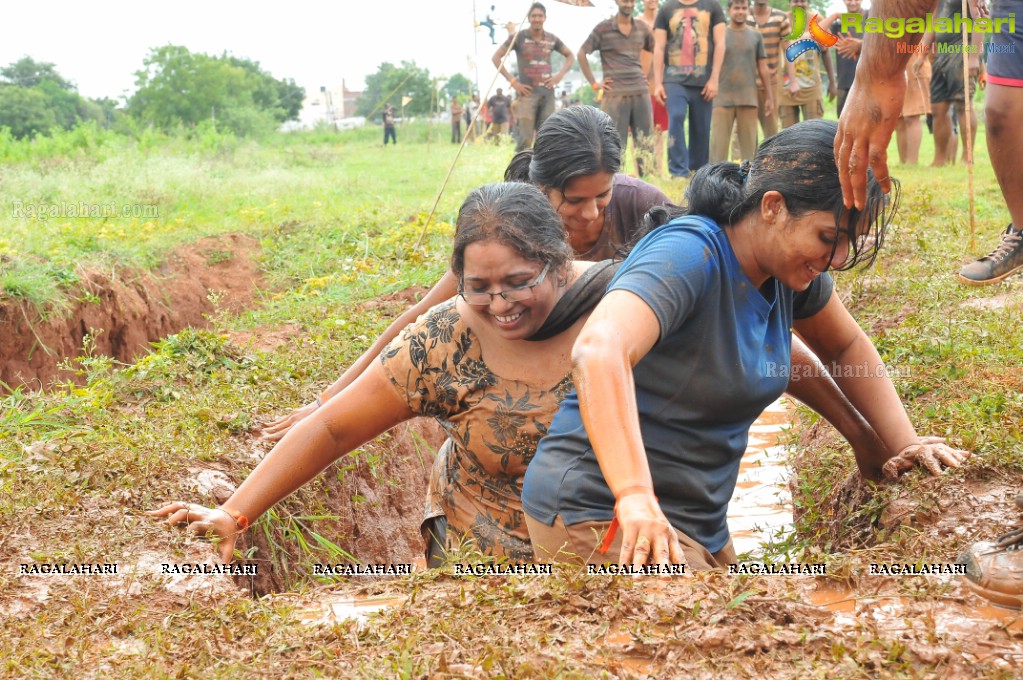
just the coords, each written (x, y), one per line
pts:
(721, 359)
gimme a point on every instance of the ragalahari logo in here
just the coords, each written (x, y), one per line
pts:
(819, 38)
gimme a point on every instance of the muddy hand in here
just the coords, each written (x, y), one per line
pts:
(647, 536)
(202, 521)
(930, 453)
(276, 429)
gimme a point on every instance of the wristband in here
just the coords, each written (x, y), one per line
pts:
(240, 520)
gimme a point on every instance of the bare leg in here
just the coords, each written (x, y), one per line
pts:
(914, 135)
(1004, 118)
(963, 128)
(1004, 114)
(900, 139)
(942, 133)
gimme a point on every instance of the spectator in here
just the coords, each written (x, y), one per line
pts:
(499, 107)
(801, 97)
(659, 110)
(620, 41)
(909, 130)
(848, 51)
(456, 120)
(772, 24)
(472, 122)
(947, 91)
(737, 96)
(689, 48)
(490, 23)
(535, 85)
(389, 131)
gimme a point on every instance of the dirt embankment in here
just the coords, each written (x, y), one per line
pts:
(132, 308)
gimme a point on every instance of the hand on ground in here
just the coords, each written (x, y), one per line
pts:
(930, 453)
(212, 523)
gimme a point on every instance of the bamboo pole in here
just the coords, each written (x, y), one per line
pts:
(967, 124)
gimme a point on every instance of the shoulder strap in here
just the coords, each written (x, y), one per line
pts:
(581, 297)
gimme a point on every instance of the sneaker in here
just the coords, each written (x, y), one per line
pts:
(1001, 263)
(995, 570)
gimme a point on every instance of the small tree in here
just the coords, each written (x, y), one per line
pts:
(457, 86)
(390, 83)
(177, 87)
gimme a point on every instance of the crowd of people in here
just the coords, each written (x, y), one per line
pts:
(573, 436)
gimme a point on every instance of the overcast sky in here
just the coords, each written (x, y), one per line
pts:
(99, 45)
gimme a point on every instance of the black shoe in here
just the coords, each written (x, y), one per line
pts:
(999, 264)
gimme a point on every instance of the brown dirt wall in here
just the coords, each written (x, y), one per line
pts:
(132, 309)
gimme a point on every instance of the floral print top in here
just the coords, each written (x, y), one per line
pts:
(493, 425)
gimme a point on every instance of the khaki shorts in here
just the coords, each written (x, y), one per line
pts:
(578, 543)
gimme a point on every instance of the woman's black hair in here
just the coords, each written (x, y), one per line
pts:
(574, 142)
(799, 163)
(517, 215)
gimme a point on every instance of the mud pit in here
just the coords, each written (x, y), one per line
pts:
(132, 308)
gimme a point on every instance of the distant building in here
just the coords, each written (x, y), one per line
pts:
(325, 106)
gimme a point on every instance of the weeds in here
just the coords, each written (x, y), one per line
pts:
(336, 216)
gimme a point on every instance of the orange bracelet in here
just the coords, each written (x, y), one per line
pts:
(240, 520)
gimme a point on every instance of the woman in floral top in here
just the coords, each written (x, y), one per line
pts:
(513, 265)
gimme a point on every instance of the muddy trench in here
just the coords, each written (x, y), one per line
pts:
(131, 308)
(374, 499)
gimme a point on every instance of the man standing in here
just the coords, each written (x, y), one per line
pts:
(621, 41)
(947, 88)
(1003, 119)
(472, 124)
(772, 24)
(737, 97)
(660, 112)
(456, 120)
(689, 48)
(848, 50)
(498, 106)
(389, 132)
(535, 84)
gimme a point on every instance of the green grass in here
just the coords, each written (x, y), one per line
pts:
(336, 215)
(176, 190)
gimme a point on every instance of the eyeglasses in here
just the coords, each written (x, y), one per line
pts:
(511, 295)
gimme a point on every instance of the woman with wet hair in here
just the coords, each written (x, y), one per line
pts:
(575, 163)
(642, 458)
(466, 363)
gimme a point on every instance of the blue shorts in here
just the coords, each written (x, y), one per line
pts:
(1005, 51)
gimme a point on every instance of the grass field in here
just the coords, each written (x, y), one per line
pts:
(337, 215)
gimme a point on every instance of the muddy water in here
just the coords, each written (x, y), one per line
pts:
(761, 508)
(760, 512)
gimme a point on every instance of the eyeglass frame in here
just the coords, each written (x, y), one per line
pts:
(503, 293)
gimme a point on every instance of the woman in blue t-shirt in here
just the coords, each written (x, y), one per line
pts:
(652, 437)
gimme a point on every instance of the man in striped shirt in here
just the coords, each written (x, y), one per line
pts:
(620, 41)
(772, 24)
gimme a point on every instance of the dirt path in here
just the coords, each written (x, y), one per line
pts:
(131, 308)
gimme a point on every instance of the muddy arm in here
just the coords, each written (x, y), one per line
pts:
(810, 383)
(369, 407)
